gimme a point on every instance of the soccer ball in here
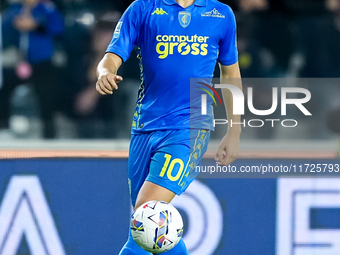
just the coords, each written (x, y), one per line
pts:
(156, 226)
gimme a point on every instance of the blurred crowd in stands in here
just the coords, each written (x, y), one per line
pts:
(50, 51)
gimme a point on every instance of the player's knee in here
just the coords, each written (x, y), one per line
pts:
(145, 199)
(151, 191)
(141, 201)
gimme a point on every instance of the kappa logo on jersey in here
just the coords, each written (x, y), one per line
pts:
(183, 44)
(184, 18)
(214, 13)
(24, 212)
(159, 11)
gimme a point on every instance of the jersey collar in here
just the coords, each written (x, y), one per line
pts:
(197, 2)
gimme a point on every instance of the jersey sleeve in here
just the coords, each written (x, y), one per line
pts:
(126, 33)
(228, 54)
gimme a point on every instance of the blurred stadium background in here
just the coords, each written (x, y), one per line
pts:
(63, 187)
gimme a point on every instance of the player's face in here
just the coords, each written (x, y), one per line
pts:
(30, 2)
(333, 5)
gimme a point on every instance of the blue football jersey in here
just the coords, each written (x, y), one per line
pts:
(174, 44)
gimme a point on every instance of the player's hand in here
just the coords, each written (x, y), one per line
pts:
(107, 83)
(229, 149)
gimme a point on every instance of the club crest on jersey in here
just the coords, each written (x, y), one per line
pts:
(184, 18)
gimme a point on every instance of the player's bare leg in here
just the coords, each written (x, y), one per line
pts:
(151, 191)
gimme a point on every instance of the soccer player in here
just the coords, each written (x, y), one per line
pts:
(175, 40)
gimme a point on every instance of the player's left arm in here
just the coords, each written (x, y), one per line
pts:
(229, 147)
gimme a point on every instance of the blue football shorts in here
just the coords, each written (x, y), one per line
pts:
(166, 158)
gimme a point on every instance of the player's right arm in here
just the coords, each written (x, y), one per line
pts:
(107, 74)
(124, 39)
